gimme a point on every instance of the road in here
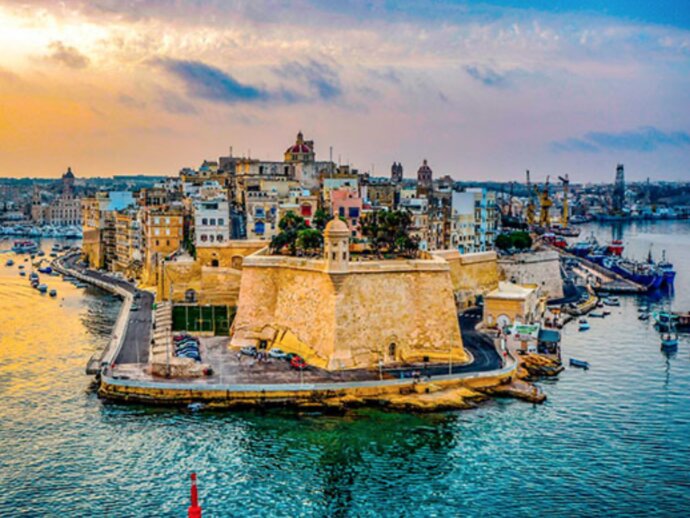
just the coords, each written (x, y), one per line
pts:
(135, 347)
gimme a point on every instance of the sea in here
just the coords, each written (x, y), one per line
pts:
(610, 441)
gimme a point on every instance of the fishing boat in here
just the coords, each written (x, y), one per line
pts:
(612, 301)
(581, 364)
(584, 324)
(642, 273)
(666, 268)
(664, 320)
(9, 262)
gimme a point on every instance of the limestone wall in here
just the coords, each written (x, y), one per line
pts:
(540, 268)
(351, 319)
(471, 274)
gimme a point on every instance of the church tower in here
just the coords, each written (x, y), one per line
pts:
(424, 180)
(397, 173)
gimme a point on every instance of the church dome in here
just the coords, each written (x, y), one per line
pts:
(69, 173)
(299, 146)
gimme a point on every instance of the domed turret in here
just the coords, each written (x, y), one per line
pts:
(336, 245)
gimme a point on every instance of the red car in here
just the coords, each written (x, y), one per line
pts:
(297, 363)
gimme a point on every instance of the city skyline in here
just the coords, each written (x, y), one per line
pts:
(483, 91)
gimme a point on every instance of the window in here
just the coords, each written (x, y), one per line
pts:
(219, 238)
(306, 210)
(259, 212)
(391, 351)
(210, 238)
(221, 222)
(167, 231)
(190, 296)
(341, 212)
(204, 221)
(157, 231)
(344, 256)
(204, 237)
(259, 228)
(167, 242)
(213, 221)
(156, 221)
(353, 212)
(214, 262)
(157, 242)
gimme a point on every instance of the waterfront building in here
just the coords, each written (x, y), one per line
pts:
(128, 246)
(98, 226)
(163, 234)
(343, 314)
(63, 210)
(347, 205)
(511, 303)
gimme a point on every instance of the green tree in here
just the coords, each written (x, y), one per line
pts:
(309, 239)
(289, 226)
(503, 242)
(521, 240)
(321, 219)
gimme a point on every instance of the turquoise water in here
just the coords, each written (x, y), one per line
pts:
(613, 440)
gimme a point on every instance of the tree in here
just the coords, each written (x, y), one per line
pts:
(521, 240)
(289, 226)
(321, 219)
(309, 239)
(390, 230)
(503, 242)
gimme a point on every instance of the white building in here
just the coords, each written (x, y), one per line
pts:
(211, 221)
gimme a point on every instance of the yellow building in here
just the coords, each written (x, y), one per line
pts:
(93, 223)
(343, 314)
(128, 257)
(163, 233)
(511, 303)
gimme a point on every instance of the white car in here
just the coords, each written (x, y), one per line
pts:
(277, 354)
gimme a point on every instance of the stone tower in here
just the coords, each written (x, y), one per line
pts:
(424, 180)
(68, 184)
(336, 246)
(397, 173)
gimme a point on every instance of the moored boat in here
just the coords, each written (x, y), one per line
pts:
(583, 324)
(9, 262)
(53, 293)
(582, 364)
(42, 288)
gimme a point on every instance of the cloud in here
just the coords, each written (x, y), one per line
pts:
(175, 103)
(212, 84)
(486, 75)
(321, 78)
(67, 56)
(130, 102)
(644, 139)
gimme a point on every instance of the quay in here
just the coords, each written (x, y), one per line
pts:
(124, 372)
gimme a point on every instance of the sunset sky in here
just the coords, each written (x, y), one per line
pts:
(482, 90)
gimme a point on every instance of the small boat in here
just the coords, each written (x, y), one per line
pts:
(669, 338)
(22, 273)
(40, 253)
(9, 262)
(584, 324)
(600, 304)
(21, 267)
(53, 293)
(579, 363)
(53, 254)
(46, 270)
(612, 301)
(643, 309)
(595, 314)
(606, 312)
(643, 316)
(42, 288)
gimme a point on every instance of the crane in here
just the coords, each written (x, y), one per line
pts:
(565, 216)
(545, 204)
(530, 203)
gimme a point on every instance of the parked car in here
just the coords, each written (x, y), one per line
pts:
(249, 351)
(298, 363)
(277, 354)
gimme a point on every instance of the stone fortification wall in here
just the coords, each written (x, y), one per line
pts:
(394, 311)
(471, 274)
(540, 268)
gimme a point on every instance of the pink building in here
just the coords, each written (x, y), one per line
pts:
(347, 205)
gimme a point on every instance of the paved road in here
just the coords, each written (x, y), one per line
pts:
(135, 347)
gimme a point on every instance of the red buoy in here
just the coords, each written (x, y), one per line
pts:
(194, 510)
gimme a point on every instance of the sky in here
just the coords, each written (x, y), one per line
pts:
(483, 90)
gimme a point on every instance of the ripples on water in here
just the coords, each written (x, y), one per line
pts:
(613, 440)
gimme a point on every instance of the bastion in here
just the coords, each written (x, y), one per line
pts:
(342, 313)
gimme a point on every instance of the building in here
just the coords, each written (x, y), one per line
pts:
(485, 218)
(63, 210)
(511, 303)
(347, 205)
(424, 180)
(383, 194)
(128, 257)
(211, 221)
(397, 173)
(462, 224)
(262, 215)
(163, 234)
(98, 226)
(301, 151)
(341, 314)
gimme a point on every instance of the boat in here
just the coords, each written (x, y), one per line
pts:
(643, 309)
(53, 293)
(581, 364)
(664, 320)
(24, 247)
(22, 273)
(595, 314)
(612, 301)
(584, 324)
(33, 276)
(606, 312)
(642, 273)
(45, 269)
(9, 262)
(40, 253)
(643, 316)
(42, 288)
(666, 268)
(669, 338)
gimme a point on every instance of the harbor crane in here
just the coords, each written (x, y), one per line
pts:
(565, 215)
(530, 203)
(545, 205)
